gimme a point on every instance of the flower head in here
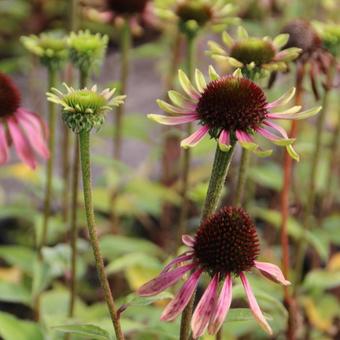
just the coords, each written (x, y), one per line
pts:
(51, 48)
(86, 49)
(254, 55)
(193, 15)
(303, 35)
(23, 128)
(225, 246)
(230, 108)
(85, 109)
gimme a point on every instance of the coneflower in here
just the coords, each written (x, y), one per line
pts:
(225, 246)
(230, 108)
(25, 129)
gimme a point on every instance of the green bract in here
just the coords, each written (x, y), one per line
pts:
(84, 109)
(51, 48)
(86, 49)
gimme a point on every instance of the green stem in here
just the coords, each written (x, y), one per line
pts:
(191, 51)
(308, 217)
(74, 14)
(74, 209)
(52, 79)
(84, 145)
(242, 177)
(125, 46)
(218, 176)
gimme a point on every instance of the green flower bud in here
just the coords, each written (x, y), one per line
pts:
(84, 109)
(87, 50)
(51, 48)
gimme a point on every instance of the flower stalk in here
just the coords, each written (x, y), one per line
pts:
(218, 176)
(84, 145)
(125, 45)
(190, 62)
(52, 80)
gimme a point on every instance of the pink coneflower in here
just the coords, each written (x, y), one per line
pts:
(225, 245)
(230, 108)
(23, 128)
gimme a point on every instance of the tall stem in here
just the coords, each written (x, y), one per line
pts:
(218, 176)
(125, 45)
(242, 177)
(287, 178)
(74, 209)
(52, 78)
(308, 217)
(191, 50)
(84, 145)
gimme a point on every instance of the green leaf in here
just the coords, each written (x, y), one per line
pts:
(267, 175)
(86, 330)
(115, 245)
(321, 279)
(12, 328)
(14, 292)
(242, 314)
(18, 256)
(135, 300)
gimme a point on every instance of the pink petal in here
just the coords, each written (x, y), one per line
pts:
(3, 146)
(176, 306)
(243, 137)
(222, 306)
(254, 307)
(278, 140)
(182, 258)
(272, 272)
(276, 127)
(195, 138)
(34, 133)
(204, 309)
(22, 147)
(163, 281)
(188, 240)
(224, 140)
(168, 120)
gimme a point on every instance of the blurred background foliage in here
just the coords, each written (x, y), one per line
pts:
(135, 243)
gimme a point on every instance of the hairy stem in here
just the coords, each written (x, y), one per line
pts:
(125, 46)
(74, 209)
(218, 176)
(52, 79)
(84, 145)
(242, 177)
(191, 50)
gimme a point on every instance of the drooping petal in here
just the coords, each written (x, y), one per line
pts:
(173, 109)
(168, 120)
(21, 144)
(187, 85)
(283, 100)
(275, 139)
(224, 141)
(179, 259)
(291, 110)
(272, 272)
(202, 313)
(248, 143)
(222, 306)
(163, 281)
(34, 134)
(3, 146)
(182, 298)
(298, 116)
(188, 240)
(195, 138)
(292, 153)
(254, 307)
(277, 128)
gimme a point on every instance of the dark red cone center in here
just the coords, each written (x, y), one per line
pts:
(127, 7)
(9, 96)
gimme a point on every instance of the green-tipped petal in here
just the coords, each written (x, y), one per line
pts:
(292, 153)
(281, 40)
(215, 48)
(213, 74)
(284, 99)
(179, 99)
(170, 108)
(242, 33)
(238, 73)
(227, 39)
(186, 85)
(200, 81)
(233, 62)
